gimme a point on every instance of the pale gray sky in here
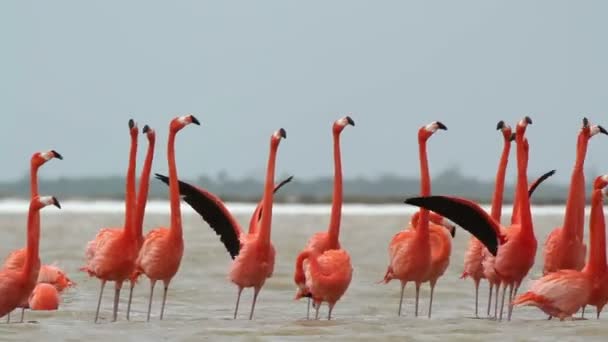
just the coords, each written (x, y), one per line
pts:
(73, 72)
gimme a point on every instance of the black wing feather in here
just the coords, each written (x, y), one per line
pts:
(537, 182)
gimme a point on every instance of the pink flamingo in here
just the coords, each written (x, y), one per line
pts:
(410, 250)
(161, 252)
(563, 292)
(564, 247)
(330, 285)
(253, 252)
(16, 285)
(476, 253)
(44, 297)
(111, 255)
(142, 198)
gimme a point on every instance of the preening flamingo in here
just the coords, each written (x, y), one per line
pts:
(517, 249)
(16, 285)
(410, 250)
(564, 247)
(111, 255)
(161, 252)
(561, 293)
(332, 271)
(142, 199)
(253, 252)
(475, 253)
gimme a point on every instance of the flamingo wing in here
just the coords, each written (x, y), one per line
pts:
(538, 181)
(257, 213)
(465, 213)
(214, 212)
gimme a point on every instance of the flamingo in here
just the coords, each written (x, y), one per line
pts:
(162, 249)
(331, 284)
(17, 284)
(252, 252)
(142, 198)
(517, 249)
(596, 265)
(44, 297)
(564, 247)
(111, 255)
(476, 253)
(561, 293)
(410, 250)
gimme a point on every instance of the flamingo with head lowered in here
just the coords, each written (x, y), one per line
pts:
(330, 272)
(253, 252)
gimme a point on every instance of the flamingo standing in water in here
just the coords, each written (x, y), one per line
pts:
(410, 250)
(564, 247)
(161, 252)
(563, 292)
(476, 252)
(330, 270)
(253, 252)
(16, 285)
(142, 198)
(111, 255)
(517, 249)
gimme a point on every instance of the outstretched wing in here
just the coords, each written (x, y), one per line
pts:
(213, 211)
(537, 182)
(467, 214)
(257, 213)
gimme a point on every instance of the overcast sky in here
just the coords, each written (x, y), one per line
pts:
(72, 73)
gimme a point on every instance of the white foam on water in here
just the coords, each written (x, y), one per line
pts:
(15, 206)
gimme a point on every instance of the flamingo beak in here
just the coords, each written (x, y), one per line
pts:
(500, 125)
(350, 121)
(57, 155)
(282, 133)
(131, 123)
(146, 129)
(194, 120)
(56, 202)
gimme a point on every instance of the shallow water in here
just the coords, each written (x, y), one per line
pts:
(201, 300)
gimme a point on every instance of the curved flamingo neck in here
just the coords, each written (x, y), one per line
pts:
(522, 187)
(144, 185)
(266, 220)
(32, 257)
(499, 187)
(425, 189)
(574, 216)
(597, 237)
(176, 215)
(129, 228)
(336, 205)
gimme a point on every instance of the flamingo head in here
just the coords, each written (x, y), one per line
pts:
(277, 136)
(595, 129)
(150, 133)
(40, 202)
(341, 123)
(436, 219)
(182, 121)
(600, 182)
(506, 131)
(133, 128)
(425, 132)
(39, 158)
(521, 126)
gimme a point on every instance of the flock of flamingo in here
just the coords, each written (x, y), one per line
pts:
(501, 254)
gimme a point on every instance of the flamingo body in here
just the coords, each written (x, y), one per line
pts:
(254, 263)
(44, 297)
(328, 276)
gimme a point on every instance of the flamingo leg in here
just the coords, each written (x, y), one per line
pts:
(598, 313)
(331, 308)
(22, 315)
(502, 303)
(116, 299)
(238, 299)
(103, 284)
(417, 296)
(510, 307)
(401, 300)
(490, 297)
(476, 298)
(308, 309)
(129, 302)
(162, 307)
(256, 291)
(497, 288)
(317, 306)
(583, 311)
(152, 283)
(431, 300)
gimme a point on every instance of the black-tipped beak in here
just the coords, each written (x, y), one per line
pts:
(56, 202)
(350, 121)
(513, 136)
(452, 230)
(146, 129)
(528, 120)
(602, 130)
(282, 133)
(194, 120)
(131, 123)
(500, 125)
(441, 126)
(585, 122)
(57, 155)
